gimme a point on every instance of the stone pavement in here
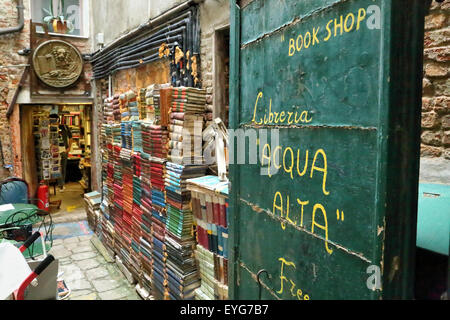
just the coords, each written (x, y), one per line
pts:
(87, 274)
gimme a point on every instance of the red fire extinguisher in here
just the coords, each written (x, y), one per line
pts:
(43, 197)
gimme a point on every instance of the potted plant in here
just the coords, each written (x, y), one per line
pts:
(55, 18)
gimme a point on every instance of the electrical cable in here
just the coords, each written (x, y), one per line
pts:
(32, 216)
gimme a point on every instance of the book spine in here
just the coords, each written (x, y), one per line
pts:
(209, 209)
(214, 239)
(223, 212)
(225, 242)
(220, 240)
(216, 210)
(203, 206)
(210, 240)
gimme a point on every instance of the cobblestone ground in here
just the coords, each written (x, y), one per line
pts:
(87, 274)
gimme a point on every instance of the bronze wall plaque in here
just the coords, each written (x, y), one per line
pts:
(57, 63)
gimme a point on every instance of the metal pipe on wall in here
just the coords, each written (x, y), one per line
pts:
(145, 37)
(180, 31)
(20, 14)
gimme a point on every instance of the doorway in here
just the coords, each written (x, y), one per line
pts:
(222, 73)
(56, 151)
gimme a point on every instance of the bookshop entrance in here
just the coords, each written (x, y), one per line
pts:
(56, 151)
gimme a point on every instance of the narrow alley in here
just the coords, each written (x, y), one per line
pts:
(224, 150)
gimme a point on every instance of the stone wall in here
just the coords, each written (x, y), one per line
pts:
(214, 14)
(435, 148)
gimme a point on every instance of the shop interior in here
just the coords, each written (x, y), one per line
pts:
(62, 160)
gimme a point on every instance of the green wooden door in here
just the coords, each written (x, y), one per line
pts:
(329, 208)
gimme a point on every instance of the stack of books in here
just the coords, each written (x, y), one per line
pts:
(188, 100)
(107, 228)
(210, 208)
(159, 256)
(158, 141)
(180, 240)
(157, 175)
(133, 107)
(116, 108)
(125, 130)
(116, 134)
(205, 261)
(185, 133)
(158, 227)
(117, 208)
(146, 197)
(92, 202)
(186, 125)
(142, 104)
(154, 210)
(146, 137)
(152, 103)
(107, 236)
(108, 169)
(125, 100)
(108, 110)
(211, 288)
(145, 280)
(182, 274)
(137, 136)
(165, 103)
(136, 217)
(137, 203)
(137, 171)
(117, 186)
(127, 180)
(146, 224)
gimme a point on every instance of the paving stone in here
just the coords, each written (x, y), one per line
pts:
(65, 261)
(134, 296)
(101, 259)
(71, 240)
(58, 242)
(88, 264)
(72, 272)
(85, 238)
(79, 293)
(97, 273)
(80, 284)
(114, 272)
(115, 294)
(70, 268)
(83, 255)
(85, 243)
(102, 249)
(91, 296)
(60, 252)
(71, 246)
(106, 285)
(84, 248)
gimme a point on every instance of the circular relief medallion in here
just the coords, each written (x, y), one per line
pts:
(57, 63)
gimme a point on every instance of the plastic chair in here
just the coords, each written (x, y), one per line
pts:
(14, 190)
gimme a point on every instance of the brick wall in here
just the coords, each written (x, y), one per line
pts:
(10, 76)
(436, 83)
